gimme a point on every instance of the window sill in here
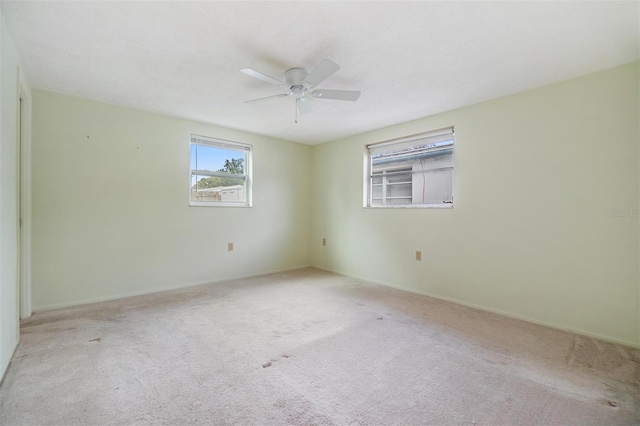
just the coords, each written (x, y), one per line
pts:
(196, 204)
(415, 206)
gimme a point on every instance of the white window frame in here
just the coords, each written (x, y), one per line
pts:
(225, 144)
(429, 137)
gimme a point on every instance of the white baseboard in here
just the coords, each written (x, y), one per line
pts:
(156, 290)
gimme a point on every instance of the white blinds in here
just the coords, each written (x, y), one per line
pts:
(411, 141)
(220, 143)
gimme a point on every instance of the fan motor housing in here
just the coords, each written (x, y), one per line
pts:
(295, 76)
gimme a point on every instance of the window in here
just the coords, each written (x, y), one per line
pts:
(415, 171)
(392, 186)
(220, 173)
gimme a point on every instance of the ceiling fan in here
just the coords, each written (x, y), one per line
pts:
(299, 84)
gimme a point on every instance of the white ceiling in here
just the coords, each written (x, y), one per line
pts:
(409, 59)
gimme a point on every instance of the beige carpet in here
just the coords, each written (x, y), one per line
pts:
(309, 348)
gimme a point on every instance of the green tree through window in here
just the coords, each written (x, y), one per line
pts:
(233, 166)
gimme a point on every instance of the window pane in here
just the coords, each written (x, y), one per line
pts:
(214, 188)
(399, 177)
(399, 190)
(434, 187)
(391, 163)
(413, 171)
(220, 172)
(215, 159)
(398, 200)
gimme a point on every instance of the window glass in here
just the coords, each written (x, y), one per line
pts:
(415, 171)
(220, 172)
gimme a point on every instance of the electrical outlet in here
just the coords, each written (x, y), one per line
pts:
(230, 247)
(418, 255)
(324, 241)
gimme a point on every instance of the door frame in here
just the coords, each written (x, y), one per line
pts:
(24, 196)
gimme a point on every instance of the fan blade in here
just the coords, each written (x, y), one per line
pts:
(339, 95)
(320, 73)
(255, 74)
(267, 98)
(304, 104)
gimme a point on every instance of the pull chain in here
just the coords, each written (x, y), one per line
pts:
(296, 107)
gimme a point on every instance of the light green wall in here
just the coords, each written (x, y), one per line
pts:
(528, 235)
(110, 205)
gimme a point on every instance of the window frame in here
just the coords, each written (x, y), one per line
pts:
(247, 149)
(407, 141)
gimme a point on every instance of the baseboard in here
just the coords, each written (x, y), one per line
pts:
(157, 290)
(585, 333)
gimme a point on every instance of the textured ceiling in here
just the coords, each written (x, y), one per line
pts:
(409, 59)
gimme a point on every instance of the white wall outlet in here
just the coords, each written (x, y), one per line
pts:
(418, 255)
(230, 247)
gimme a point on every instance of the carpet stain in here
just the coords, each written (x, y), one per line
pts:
(569, 358)
(273, 361)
